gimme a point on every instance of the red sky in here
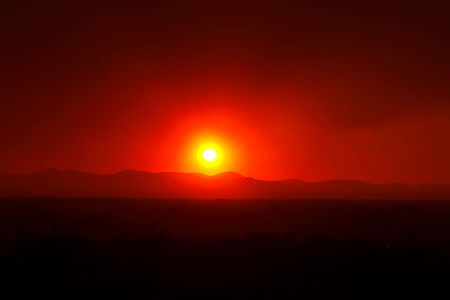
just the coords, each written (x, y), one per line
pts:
(288, 90)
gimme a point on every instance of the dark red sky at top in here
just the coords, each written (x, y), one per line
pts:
(291, 89)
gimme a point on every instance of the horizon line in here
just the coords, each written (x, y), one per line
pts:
(214, 175)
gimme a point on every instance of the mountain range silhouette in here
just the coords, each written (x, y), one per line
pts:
(227, 185)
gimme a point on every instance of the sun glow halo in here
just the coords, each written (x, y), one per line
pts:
(210, 157)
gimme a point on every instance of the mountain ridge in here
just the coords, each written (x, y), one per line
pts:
(227, 185)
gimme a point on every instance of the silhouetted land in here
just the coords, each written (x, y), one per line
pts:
(178, 248)
(228, 185)
(166, 235)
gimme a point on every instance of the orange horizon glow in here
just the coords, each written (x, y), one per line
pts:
(270, 107)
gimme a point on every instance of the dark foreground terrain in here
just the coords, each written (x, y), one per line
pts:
(143, 248)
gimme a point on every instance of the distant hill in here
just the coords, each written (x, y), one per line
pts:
(228, 185)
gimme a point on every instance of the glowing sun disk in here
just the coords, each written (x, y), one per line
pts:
(209, 155)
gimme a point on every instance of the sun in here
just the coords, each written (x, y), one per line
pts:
(209, 155)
